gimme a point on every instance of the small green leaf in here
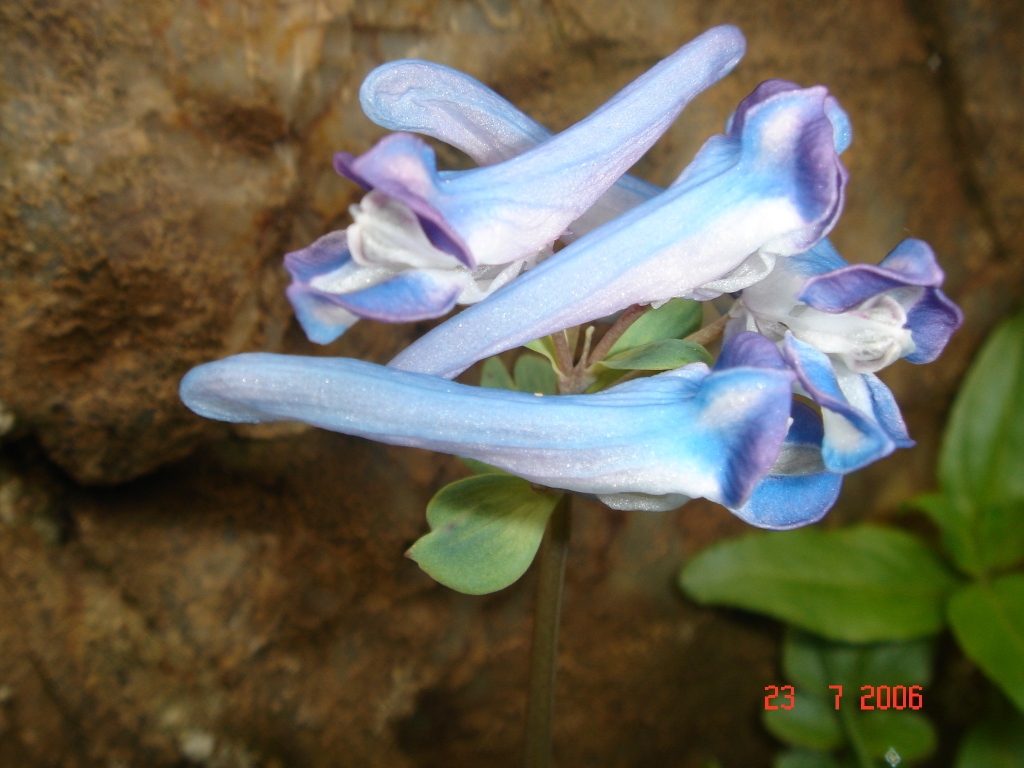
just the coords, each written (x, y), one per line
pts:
(861, 584)
(664, 355)
(811, 723)
(480, 468)
(673, 320)
(983, 447)
(955, 523)
(495, 375)
(544, 346)
(803, 758)
(803, 662)
(891, 664)
(909, 733)
(534, 374)
(988, 621)
(996, 744)
(484, 532)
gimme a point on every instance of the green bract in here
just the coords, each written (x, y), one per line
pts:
(484, 532)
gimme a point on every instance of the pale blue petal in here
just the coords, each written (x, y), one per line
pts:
(783, 192)
(407, 297)
(689, 432)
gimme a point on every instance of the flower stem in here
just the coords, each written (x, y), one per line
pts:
(860, 750)
(544, 651)
(710, 332)
(613, 334)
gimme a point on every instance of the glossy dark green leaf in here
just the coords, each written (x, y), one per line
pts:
(484, 532)
(983, 447)
(909, 733)
(805, 758)
(993, 744)
(673, 320)
(811, 723)
(860, 584)
(535, 374)
(495, 376)
(664, 355)
(988, 621)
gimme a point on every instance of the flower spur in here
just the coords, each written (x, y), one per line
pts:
(651, 443)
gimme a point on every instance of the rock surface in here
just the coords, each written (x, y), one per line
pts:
(249, 606)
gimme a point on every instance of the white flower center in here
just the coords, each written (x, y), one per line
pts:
(386, 232)
(866, 339)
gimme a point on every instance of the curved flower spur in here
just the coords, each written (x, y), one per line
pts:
(423, 240)
(773, 183)
(651, 443)
(839, 323)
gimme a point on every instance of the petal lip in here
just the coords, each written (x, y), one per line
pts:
(402, 166)
(814, 372)
(690, 432)
(407, 297)
(911, 263)
(932, 318)
(783, 501)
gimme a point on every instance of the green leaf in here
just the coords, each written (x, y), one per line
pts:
(484, 532)
(802, 758)
(480, 468)
(988, 621)
(981, 513)
(979, 540)
(803, 662)
(811, 723)
(813, 663)
(892, 664)
(673, 320)
(983, 447)
(909, 733)
(495, 375)
(860, 584)
(664, 355)
(997, 744)
(534, 374)
(544, 346)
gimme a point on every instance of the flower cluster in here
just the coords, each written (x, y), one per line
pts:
(748, 217)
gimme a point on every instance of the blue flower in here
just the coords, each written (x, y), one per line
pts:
(772, 186)
(838, 324)
(650, 443)
(423, 240)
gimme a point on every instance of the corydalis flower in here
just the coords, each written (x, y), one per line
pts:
(651, 443)
(773, 183)
(839, 323)
(423, 240)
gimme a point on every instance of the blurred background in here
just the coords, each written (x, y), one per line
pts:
(178, 592)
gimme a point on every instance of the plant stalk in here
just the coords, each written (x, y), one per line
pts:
(544, 650)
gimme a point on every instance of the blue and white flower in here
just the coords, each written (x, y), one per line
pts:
(651, 443)
(423, 240)
(772, 186)
(838, 324)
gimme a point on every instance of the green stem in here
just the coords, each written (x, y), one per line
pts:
(544, 651)
(860, 749)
